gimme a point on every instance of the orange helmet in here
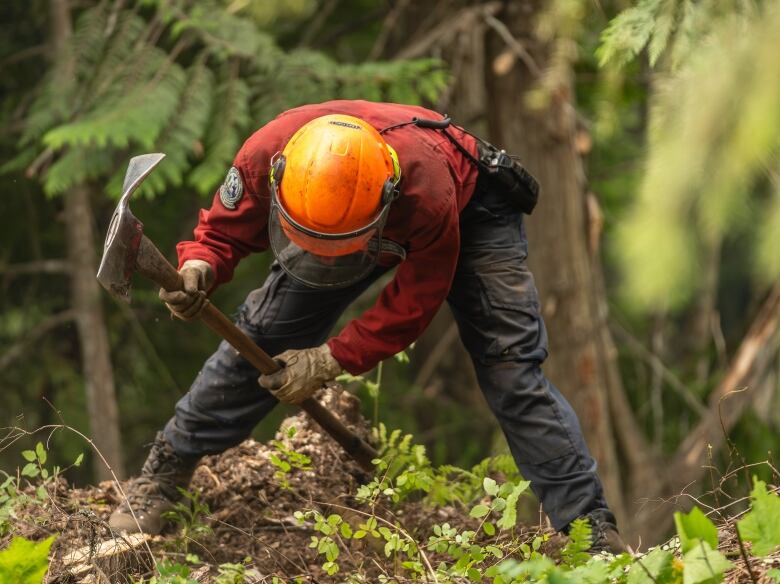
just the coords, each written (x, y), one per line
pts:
(331, 186)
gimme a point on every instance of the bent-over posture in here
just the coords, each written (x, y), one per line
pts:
(342, 192)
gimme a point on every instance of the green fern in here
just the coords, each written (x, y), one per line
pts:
(185, 132)
(707, 162)
(664, 27)
(120, 88)
(227, 131)
(77, 165)
(574, 553)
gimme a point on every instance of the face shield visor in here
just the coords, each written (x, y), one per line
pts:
(329, 260)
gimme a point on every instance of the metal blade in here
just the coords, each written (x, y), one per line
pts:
(125, 231)
(137, 170)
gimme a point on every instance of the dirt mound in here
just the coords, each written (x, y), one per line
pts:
(245, 502)
(250, 513)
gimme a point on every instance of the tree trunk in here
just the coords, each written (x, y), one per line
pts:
(492, 78)
(95, 349)
(583, 360)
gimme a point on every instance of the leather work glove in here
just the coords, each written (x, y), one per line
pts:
(188, 303)
(304, 372)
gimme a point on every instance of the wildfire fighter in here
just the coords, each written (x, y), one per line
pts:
(342, 192)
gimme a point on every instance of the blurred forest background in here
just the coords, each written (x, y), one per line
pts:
(652, 126)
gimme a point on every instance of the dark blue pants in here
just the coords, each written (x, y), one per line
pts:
(496, 305)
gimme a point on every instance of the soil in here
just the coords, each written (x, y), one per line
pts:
(250, 517)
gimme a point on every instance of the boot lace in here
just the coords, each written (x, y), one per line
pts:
(162, 474)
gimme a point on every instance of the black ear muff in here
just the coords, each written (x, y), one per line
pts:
(389, 192)
(277, 171)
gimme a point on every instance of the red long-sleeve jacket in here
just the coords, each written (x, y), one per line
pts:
(437, 182)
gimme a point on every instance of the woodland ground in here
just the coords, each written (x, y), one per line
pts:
(250, 519)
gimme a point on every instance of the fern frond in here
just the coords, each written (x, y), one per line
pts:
(185, 131)
(224, 34)
(306, 77)
(228, 127)
(19, 162)
(574, 553)
(110, 72)
(136, 117)
(76, 166)
(705, 157)
(628, 33)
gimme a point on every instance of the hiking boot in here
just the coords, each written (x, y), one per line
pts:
(605, 536)
(155, 491)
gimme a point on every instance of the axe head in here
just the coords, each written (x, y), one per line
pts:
(125, 231)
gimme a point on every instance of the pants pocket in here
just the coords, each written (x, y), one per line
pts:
(261, 305)
(513, 323)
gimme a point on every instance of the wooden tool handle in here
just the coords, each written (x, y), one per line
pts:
(153, 265)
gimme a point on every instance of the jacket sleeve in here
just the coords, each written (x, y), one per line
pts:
(409, 302)
(224, 236)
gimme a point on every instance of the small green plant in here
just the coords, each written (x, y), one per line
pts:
(503, 503)
(35, 467)
(10, 497)
(236, 573)
(189, 514)
(36, 473)
(24, 561)
(493, 550)
(286, 458)
(169, 573)
(373, 387)
(761, 526)
(575, 552)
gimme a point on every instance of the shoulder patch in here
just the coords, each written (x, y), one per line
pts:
(232, 189)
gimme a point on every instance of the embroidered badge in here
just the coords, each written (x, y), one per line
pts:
(232, 189)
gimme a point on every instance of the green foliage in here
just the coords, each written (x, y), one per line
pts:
(37, 475)
(654, 568)
(236, 573)
(707, 160)
(24, 561)
(404, 469)
(761, 525)
(286, 459)
(176, 573)
(169, 573)
(189, 514)
(695, 527)
(575, 552)
(672, 27)
(704, 565)
(194, 89)
(633, 28)
(10, 497)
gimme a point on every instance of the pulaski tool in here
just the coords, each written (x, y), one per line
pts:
(128, 250)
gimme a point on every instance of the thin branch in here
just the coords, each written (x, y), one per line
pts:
(388, 26)
(19, 349)
(116, 483)
(436, 355)
(40, 162)
(24, 54)
(513, 44)
(148, 345)
(37, 267)
(655, 362)
(747, 368)
(744, 555)
(447, 30)
(315, 26)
